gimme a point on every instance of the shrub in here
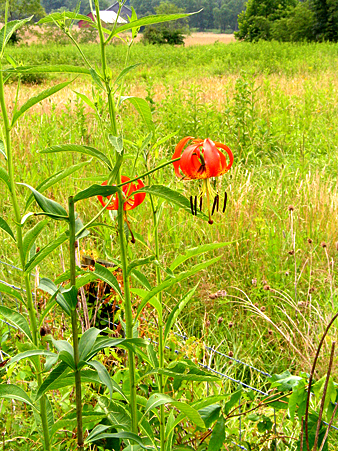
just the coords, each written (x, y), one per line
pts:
(154, 35)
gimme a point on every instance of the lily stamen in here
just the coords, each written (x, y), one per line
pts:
(225, 202)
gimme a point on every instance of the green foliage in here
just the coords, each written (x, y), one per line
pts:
(20, 9)
(297, 26)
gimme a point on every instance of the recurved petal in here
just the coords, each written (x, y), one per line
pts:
(225, 165)
(177, 154)
(212, 159)
(190, 163)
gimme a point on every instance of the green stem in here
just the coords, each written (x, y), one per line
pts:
(111, 104)
(160, 325)
(72, 263)
(128, 311)
(19, 242)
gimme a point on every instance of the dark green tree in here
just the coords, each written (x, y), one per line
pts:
(256, 21)
(20, 9)
(326, 19)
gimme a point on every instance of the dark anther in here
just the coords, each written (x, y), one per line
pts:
(192, 205)
(217, 206)
(214, 205)
(225, 202)
(195, 206)
(201, 209)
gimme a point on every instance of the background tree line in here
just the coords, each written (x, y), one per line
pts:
(283, 20)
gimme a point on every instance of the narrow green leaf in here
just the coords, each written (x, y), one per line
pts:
(5, 227)
(36, 99)
(62, 68)
(96, 78)
(5, 177)
(2, 149)
(104, 274)
(14, 317)
(140, 262)
(148, 20)
(69, 421)
(194, 252)
(67, 358)
(124, 72)
(217, 436)
(70, 296)
(120, 435)
(50, 247)
(57, 374)
(10, 29)
(172, 281)
(80, 149)
(56, 178)
(50, 287)
(31, 236)
(174, 314)
(86, 100)
(11, 391)
(140, 277)
(117, 143)
(55, 17)
(103, 375)
(47, 205)
(87, 342)
(143, 109)
(28, 354)
(96, 190)
(106, 342)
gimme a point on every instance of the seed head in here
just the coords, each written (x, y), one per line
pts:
(287, 273)
(291, 252)
(266, 287)
(220, 320)
(254, 282)
(263, 308)
(323, 244)
(309, 240)
(230, 354)
(230, 325)
(270, 332)
(207, 323)
(291, 207)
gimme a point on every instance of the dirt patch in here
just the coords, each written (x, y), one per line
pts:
(208, 38)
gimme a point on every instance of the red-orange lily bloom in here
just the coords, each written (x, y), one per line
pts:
(132, 200)
(202, 160)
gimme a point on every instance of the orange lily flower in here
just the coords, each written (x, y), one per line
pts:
(133, 200)
(202, 160)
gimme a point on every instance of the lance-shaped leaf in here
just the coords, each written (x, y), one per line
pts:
(5, 227)
(217, 436)
(50, 287)
(11, 391)
(31, 236)
(104, 274)
(87, 341)
(80, 149)
(62, 68)
(174, 314)
(56, 178)
(28, 354)
(143, 109)
(169, 282)
(104, 342)
(50, 247)
(49, 206)
(34, 100)
(4, 177)
(117, 143)
(15, 318)
(11, 28)
(97, 434)
(55, 17)
(124, 72)
(96, 190)
(57, 374)
(140, 262)
(70, 296)
(148, 20)
(103, 375)
(170, 195)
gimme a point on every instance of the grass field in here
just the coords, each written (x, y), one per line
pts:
(275, 105)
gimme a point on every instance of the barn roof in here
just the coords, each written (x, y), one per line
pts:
(110, 17)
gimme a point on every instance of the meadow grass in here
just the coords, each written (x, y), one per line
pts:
(275, 105)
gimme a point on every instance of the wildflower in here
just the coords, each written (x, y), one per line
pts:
(202, 160)
(132, 201)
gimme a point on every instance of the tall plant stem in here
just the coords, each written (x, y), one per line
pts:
(19, 241)
(111, 104)
(128, 311)
(72, 263)
(160, 325)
